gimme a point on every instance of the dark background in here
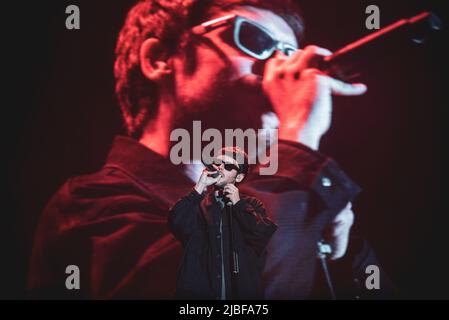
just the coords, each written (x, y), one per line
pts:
(60, 116)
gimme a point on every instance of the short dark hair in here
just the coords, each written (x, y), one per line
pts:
(238, 155)
(168, 20)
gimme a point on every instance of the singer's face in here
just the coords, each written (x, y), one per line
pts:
(217, 82)
(226, 176)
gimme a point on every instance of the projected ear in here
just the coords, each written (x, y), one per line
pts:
(153, 61)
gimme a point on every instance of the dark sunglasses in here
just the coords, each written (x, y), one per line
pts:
(250, 37)
(218, 163)
(226, 166)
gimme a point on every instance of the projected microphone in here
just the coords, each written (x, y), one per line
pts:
(345, 63)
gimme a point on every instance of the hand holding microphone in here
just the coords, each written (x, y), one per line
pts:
(232, 193)
(300, 94)
(300, 86)
(207, 178)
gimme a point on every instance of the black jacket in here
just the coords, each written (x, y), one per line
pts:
(195, 220)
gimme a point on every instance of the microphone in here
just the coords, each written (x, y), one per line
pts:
(221, 193)
(345, 63)
(211, 168)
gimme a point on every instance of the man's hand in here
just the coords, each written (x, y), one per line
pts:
(301, 95)
(205, 180)
(232, 192)
(337, 233)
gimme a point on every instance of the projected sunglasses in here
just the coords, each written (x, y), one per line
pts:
(250, 37)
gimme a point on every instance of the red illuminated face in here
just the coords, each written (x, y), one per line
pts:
(227, 176)
(214, 79)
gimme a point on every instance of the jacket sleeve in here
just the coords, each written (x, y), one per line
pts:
(119, 242)
(302, 197)
(256, 227)
(183, 216)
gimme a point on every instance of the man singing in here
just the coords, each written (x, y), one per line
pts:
(218, 262)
